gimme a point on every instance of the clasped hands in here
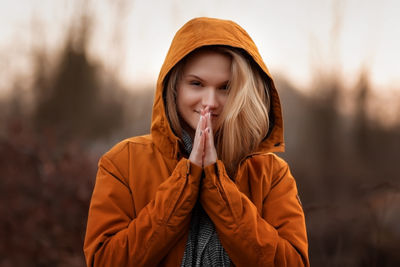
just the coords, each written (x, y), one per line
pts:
(203, 152)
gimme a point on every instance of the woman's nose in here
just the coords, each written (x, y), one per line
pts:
(210, 98)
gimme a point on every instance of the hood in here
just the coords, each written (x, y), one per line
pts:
(203, 32)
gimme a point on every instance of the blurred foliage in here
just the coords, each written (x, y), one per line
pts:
(346, 165)
(49, 147)
(73, 95)
(347, 171)
(44, 194)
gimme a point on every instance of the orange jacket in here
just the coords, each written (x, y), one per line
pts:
(145, 190)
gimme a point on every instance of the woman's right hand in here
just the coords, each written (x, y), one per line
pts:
(197, 154)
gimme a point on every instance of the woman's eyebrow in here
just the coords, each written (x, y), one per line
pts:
(194, 76)
(198, 78)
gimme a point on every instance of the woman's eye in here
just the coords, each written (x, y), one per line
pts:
(224, 87)
(195, 83)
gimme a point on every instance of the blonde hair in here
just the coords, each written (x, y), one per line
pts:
(244, 121)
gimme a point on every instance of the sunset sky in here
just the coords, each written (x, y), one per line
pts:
(295, 38)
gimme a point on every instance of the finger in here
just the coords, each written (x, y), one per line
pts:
(209, 121)
(196, 155)
(199, 125)
(210, 156)
(197, 134)
(200, 150)
(203, 122)
(203, 111)
(211, 134)
(209, 142)
(206, 110)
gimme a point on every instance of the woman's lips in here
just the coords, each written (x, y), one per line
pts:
(212, 114)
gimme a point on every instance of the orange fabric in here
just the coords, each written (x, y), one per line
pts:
(145, 190)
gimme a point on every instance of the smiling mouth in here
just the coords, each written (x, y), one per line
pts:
(212, 114)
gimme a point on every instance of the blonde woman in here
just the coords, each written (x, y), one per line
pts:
(204, 188)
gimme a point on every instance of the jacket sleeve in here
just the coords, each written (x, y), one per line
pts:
(117, 236)
(277, 238)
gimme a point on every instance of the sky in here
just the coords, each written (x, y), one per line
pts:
(295, 38)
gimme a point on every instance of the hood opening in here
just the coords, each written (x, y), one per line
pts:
(243, 52)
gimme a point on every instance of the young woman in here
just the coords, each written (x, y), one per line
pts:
(204, 188)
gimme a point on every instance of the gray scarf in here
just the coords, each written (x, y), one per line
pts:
(203, 247)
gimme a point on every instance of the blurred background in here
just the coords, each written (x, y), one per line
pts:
(78, 76)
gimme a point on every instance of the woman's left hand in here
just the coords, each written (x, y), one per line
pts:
(210, 154)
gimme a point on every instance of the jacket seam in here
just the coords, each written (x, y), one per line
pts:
(121, 180)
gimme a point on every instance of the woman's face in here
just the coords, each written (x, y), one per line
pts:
(203, 84)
